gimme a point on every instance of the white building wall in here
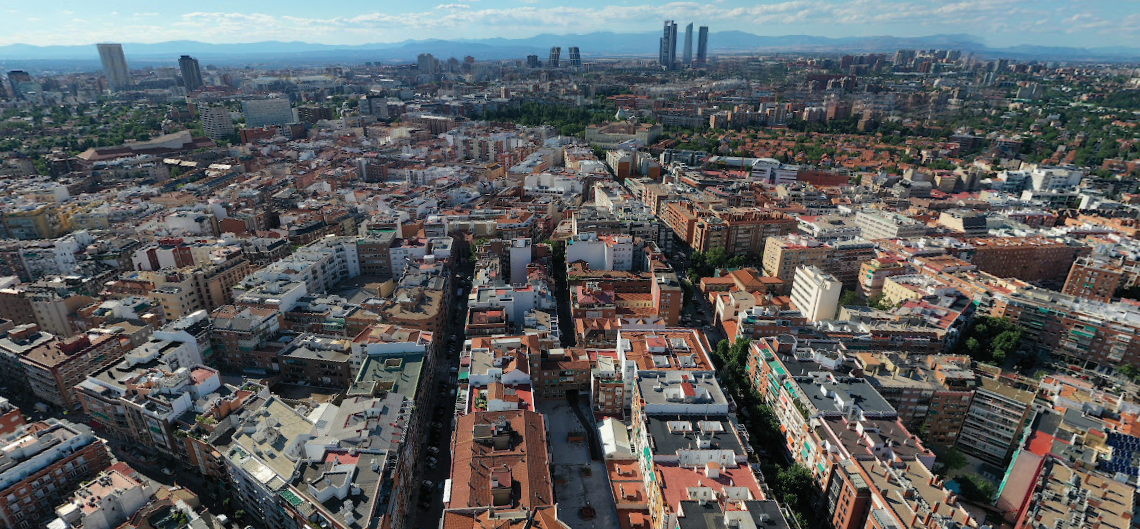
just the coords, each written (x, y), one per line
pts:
(586, 247)
(815, 293)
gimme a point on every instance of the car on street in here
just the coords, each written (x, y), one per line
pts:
(433, 449)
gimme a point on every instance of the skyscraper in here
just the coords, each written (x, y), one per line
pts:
(115, 66)
(427, 63)
(575, 57)
(191, 74)
(555, 53)
(687, 57)
(16, 78)
(703, 46)
(668, 53)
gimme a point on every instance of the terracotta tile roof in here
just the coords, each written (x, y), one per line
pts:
(676, 481)
(525, 458)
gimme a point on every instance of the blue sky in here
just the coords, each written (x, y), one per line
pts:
(997, 22)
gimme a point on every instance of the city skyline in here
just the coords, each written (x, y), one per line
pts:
(996, 22)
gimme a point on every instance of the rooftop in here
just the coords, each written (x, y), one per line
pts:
(697, 388)
(670, 434)
(512, 443)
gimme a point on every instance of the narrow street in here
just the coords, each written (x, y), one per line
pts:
(441, 418)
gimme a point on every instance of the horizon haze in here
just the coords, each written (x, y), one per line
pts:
(997, 23)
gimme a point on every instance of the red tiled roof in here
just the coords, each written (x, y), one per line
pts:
(525, 458)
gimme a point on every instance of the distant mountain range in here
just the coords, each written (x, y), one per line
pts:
(593, 45)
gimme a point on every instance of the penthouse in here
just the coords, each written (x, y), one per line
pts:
(679, 393)
(666, 349)
(677, 438)
(144, 401)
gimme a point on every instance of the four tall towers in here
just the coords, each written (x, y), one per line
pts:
(667, 54)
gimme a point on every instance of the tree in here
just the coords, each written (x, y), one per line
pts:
(1129, 371)
(721, 352)
(954, 460)
(880, 302)
(976, 489)
(991, 340)
(795, 487)
(851, 297)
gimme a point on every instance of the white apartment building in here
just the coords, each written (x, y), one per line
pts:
(216, 121)
(815, 293)
(612, 252)
(262, 112)
(887, 225)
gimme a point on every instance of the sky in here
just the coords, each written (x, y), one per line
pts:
(1082, 23)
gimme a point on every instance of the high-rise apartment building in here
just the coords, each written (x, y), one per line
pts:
(555, 53)
(993, 425)
(687, 56)
(842, 259)
(216, 121)
(427, 63)
(191, 74)
(702, 47)
(18, 78)
(668, 48)
(815, 293)
(115, 66)
(262, 112)
(532, 61)
(575, 57)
